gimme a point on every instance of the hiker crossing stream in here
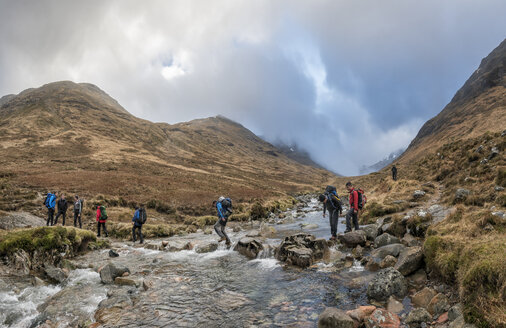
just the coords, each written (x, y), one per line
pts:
(192, 281)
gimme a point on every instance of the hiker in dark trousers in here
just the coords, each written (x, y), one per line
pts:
(332, 204)
(353, 211)
(224, 209)
(50, 203)
(137, 223)
(62, 209)
(101, 219)
(394, 173)
(78, 210)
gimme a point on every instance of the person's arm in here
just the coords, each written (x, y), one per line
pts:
(355, 200)
(220, 211)
(324, 208)
(98, 214)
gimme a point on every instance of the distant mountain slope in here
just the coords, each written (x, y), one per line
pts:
(479, 106)
(75, 137)
(381, 164)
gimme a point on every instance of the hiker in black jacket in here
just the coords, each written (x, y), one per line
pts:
(62, 209)
(394, 173)
(332, 204)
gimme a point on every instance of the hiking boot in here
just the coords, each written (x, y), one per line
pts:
(222, 239)
(346, 231)
(332, 238)
(227, 243)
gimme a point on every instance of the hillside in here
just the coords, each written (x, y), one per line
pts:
(479, 106)
(75, 138)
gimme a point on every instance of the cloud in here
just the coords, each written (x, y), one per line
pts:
(347, 81)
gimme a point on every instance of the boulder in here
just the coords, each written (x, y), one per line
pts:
(455, 312)
(249, 247)
(417, 317)
(177, 245)
(360, 313)
(371, 231)
(498, 188)
(418, 194)
(460, 323)
(154, 247)
(124, 281)
(423, 297)
(353, 238)
(410, 260)
(358, 252)
(387, 262)
(461, 194)
(206, 247)
(386, 283)
(385, 239)
(392, 250)
(493, 153)
(113, 253)
(110, 271)
(54, 274)
(301, 250)
(16, 220)
(394, 305)
(382, 318)
(439, 304)
(334, 318)
(418, 279)
(409, 240)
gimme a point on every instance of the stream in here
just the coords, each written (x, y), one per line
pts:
(221, 288)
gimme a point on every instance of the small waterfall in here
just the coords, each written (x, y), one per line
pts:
(266, 253)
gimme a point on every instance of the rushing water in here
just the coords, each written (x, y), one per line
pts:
(216, 289)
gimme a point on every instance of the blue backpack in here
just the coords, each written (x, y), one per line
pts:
(47, 201)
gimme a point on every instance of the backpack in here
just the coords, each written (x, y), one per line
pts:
(362, 199)
(103, 213)
(331, 190)
(334, 199)
(226, 203)
(46, 201)
(142, 216)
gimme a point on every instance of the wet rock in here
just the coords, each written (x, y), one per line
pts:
(206, 247)
(371, 231)
(461, 194)
(358, 252)
(55, 274)
(249, 247)
(110, 309)
(455, 312)
(177, 245)
(392, 250)
(417, 317)
(253, 233)
(301, 250)
(334, 318)
(110, 271)
(418, 194)
(387, 262)
(439, 304)
(409, 240)
(267, 230)
(410, 260)
(418, 279)
(165, 243)
(353, 238)
(147, 284)
(360, 313)
(386, 283)
(113, 253)
(394, 305)
(382, 318)
(423, 297)
(21, 261)
(385, 239)
(124, 281)
(37, 282)
(154, 247)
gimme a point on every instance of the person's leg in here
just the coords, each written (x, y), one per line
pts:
(51, 214)
(49, 217)
(348, 219)
(80, 222)
(141, 237)
(355, 221)
(64, 214)
(333, 223)
(76, 214)
(98, 229)
(105, 230)
(56, 218)
(225, 234)
(217, 228)
(134, 238)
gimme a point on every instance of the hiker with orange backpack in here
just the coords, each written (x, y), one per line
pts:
(355, 200)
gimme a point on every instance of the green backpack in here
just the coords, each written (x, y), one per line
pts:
(103, 213)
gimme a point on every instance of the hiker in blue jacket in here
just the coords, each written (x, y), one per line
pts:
(224, 209)
(50, 203)
(137, 221)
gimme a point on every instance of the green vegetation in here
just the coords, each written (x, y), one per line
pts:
(124, 230)
(45, 238)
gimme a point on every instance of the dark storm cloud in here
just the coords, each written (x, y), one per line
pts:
(348, 81)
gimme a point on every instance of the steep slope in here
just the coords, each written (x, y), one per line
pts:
(74, 137)
(479, 106)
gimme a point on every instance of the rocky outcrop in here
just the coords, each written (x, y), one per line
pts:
(410, 260)
(301, 250)
(113, 253)
(15, 220)
(334, 318)
(55, 274)
(206, 247)
(423, 297)
(386, 283)
(249, 247)
(110, 271)
(371, 231)
(385, 239)
(392, 250)
(439, 304)
(353, 239)
(461, 194)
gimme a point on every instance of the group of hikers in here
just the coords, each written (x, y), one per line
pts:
(330, 199)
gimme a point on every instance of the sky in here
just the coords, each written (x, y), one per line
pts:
(347, 81)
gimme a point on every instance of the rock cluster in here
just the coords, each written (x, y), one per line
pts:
(301, 250)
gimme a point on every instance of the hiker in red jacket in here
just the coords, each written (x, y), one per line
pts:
(353, 211)
(101, 219)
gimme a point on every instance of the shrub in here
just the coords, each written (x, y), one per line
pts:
(258, 211)
(501, 177)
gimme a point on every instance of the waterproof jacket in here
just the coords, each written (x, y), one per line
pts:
(78, 206)
(223, 211)
(62, 205)
(354, 199)
(137, 218)
(394, 170)
(51, 201)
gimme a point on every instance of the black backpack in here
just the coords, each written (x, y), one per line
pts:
(142, 215)
(334, 200)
